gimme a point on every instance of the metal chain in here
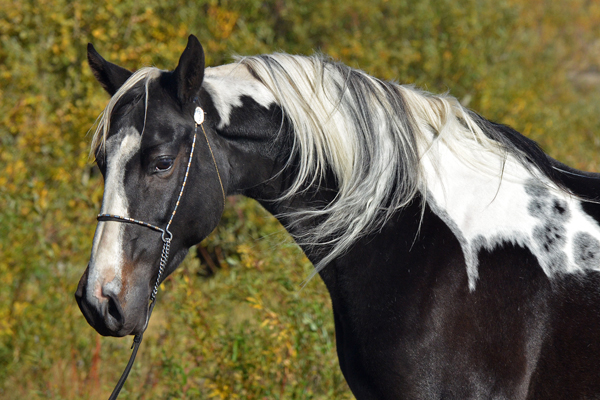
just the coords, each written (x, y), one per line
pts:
(164, 257)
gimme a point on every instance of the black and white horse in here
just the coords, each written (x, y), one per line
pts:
(462, 262)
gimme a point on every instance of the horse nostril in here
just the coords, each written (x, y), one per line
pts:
(113, 308)
(115, 311)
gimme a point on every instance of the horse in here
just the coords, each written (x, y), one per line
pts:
(462, 261)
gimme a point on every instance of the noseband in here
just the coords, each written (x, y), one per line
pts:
(166, 237)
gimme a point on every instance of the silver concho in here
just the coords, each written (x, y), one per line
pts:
(199, 115)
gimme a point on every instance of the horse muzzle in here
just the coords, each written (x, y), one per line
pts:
(110, 312)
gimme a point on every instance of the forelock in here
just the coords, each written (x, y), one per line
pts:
(143, 76)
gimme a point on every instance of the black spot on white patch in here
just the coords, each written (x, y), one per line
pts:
(587, 251)
(537, 208)
(560, 210)
(545, 206)
(550, 236)
(536, 190)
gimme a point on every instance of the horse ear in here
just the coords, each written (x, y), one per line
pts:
(110, 75)
(190, 71)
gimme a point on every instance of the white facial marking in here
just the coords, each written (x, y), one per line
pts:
(228, 83)
(484, 210)
(107, 249)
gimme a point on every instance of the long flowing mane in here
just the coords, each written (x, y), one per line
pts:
(372, 135)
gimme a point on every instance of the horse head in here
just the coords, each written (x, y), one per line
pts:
(142, 147)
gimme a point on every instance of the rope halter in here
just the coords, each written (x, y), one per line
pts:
(166, 237)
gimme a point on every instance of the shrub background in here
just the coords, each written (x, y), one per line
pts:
(249, 331)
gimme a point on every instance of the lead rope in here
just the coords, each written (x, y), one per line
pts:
(166, 237)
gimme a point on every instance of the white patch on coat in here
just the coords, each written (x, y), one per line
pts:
(107, 249)
(227, 85)
(487, 204)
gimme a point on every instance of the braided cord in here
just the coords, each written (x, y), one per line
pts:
(187, 171)
(119, 218)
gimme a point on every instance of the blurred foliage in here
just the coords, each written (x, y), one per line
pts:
(248, 332)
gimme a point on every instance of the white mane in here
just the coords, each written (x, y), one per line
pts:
(371, 134)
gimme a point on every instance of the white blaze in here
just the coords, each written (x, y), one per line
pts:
(107, 250)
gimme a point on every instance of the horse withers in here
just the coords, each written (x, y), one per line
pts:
(462, 261)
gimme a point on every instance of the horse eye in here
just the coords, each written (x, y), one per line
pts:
(163, 164)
